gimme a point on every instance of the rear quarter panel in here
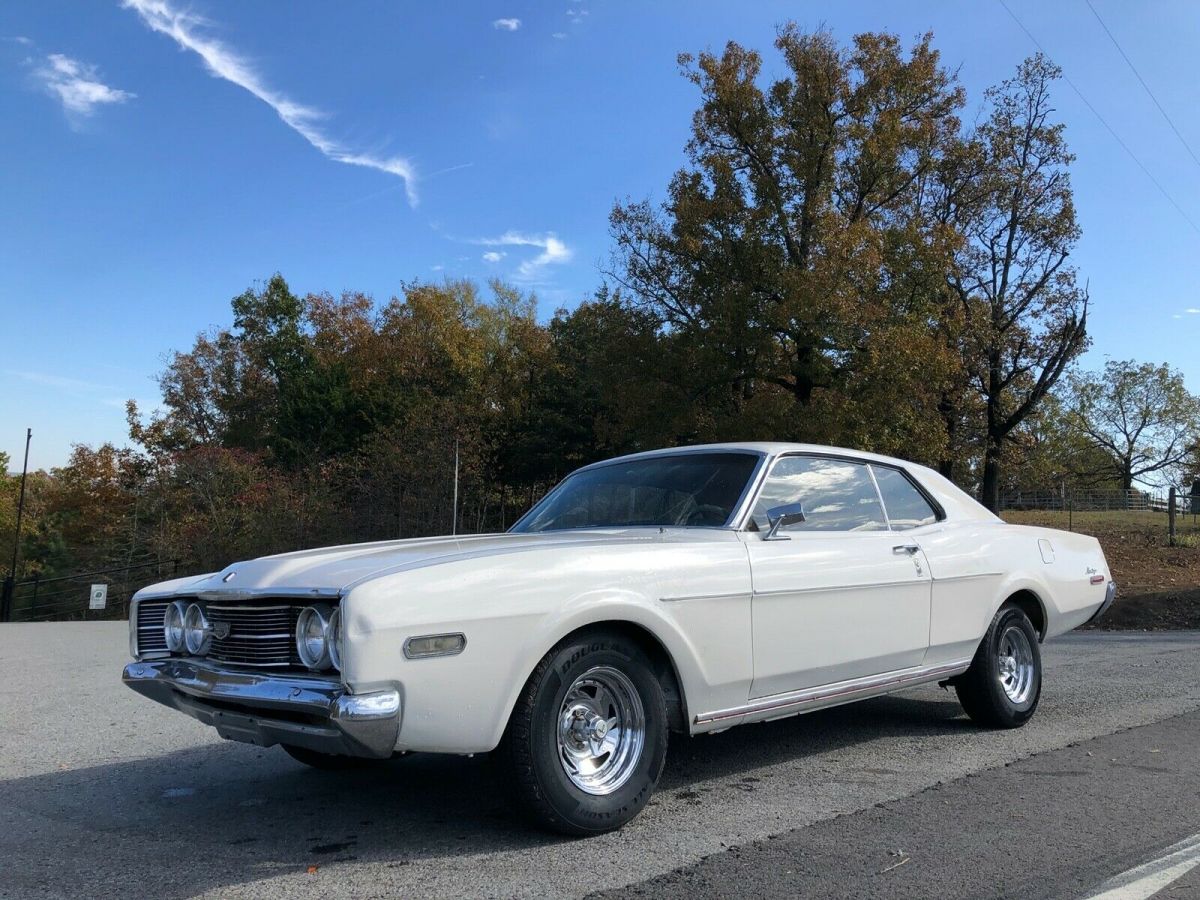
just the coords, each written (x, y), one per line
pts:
(1071, 596)
(978, 565)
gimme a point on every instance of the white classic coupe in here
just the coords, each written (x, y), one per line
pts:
(684, 590)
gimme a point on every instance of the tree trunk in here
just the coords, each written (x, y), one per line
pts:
(949, 413)
(991, 477)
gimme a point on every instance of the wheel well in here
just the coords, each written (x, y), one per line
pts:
(1028, 603)
(664, 666)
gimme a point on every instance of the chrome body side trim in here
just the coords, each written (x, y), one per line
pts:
(971, 577)
(732, 595)
(830, 588)
(838, 692)
(310, 711)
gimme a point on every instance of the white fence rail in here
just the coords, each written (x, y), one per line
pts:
(1092, 500)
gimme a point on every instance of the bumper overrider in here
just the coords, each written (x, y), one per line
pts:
(311, 711)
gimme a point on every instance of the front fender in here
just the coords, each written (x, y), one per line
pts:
(513, 610)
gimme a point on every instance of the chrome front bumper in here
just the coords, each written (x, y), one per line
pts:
(259, 708)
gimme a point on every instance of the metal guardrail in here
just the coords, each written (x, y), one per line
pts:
(68, 597)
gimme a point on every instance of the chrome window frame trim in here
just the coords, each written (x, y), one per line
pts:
(938, 510)
(731, 524)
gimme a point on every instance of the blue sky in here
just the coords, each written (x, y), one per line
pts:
(157, 158)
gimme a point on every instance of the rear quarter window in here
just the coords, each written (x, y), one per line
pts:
(906, 506)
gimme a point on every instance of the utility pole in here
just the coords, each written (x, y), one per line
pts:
(10, 582)
(454, 507)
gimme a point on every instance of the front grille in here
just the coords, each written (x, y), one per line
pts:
(258, 635)
(150, 637)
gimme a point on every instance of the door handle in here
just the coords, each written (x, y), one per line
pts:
(910, 549)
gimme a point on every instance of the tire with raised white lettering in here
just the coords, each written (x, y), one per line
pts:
(587, 739)
(1004, 683)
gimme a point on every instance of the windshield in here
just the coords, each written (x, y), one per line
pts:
(690, 489)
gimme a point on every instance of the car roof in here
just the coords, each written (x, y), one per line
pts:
(955, 502)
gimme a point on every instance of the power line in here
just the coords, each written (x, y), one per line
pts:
(1162, 190)
(1138, 75)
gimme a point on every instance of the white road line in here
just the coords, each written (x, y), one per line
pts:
(1149, 878)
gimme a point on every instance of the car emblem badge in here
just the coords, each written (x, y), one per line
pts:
(220, 630)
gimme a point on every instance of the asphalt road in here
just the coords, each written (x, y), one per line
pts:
(105, 793)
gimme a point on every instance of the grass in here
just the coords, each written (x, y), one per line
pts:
(1098, 523)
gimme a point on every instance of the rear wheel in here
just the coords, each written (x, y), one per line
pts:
(1004, 683)
(587, 740)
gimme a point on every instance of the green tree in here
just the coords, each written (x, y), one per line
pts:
(1140, 417)
(793, 257)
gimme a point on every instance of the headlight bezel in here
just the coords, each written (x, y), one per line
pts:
(321, 613)
(195, 621)
(179, 609)
(333, 638)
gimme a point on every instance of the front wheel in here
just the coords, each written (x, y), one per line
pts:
(587, 740)
(1004, 683)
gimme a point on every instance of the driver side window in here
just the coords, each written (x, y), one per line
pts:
(837, 495)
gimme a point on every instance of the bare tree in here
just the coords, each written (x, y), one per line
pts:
(1025, 314)
(1141, 416)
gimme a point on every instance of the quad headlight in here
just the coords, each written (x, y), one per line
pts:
(197, 632)
(312, 636)
(173, 626)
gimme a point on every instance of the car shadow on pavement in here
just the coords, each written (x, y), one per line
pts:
(246, 813)
(808, 737)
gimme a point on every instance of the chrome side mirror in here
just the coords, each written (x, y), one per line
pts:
(781, 516)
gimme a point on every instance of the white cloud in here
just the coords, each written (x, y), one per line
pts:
(77, 85)
(493, 256)
(21, 39)
(554, 251)
(437, 268)
(1193, 310)
(559, 35)
(59, 381)
(506, 24)
(186, 29)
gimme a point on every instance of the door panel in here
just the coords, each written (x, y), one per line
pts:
(833, 606)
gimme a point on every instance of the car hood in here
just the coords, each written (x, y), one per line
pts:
(332, 570)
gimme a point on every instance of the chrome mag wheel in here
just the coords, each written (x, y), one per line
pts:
(601, 730)
(1015, 663)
